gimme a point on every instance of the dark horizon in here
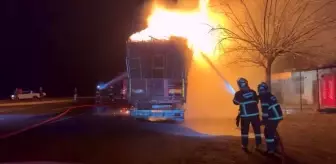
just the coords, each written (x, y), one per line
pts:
(62, 44)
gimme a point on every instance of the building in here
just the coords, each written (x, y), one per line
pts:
(300, 89)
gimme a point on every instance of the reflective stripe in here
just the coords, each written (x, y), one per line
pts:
(275, 118)
(248, 102)
(269, 140)
(276, 113)
(248, 95)
(243, 105)
(244, 135)
(249, 115)
(264, 104)
(236, 101)
(272, 106)
(265, 114)
(258, 135)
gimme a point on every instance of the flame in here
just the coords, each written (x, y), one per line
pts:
(193, 26)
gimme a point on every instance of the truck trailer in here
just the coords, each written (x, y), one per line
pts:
(157, 78)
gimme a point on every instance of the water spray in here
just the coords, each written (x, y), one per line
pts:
(103, 86)
(228, 86)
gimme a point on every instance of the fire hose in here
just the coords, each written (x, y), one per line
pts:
(232, 91)
(41, 123)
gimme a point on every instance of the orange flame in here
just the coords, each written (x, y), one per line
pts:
(193, 26)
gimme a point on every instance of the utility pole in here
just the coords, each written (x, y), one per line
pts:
(318, 89)
(300, 90)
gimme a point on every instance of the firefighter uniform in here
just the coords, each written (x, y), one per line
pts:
(247, 100)
(75, 94)
(238, 120)
(41, 92)
(272, 115)
(98, 97)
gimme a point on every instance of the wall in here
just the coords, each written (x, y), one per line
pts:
(287, 88)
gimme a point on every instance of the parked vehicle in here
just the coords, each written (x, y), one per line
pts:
(23, 94)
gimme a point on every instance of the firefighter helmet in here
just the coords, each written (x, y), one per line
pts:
(242, 83)
(262, 87)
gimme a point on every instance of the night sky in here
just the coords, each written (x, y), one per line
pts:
(62, 44)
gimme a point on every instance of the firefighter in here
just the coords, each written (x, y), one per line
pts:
(98, 97)
(247, 100)
(271, 116)
(41, 92)
(16, 93)
(75, 94)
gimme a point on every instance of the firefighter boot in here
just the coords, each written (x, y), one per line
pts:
(277, 145)
(245, 149)
(258, 148)
(270, 153)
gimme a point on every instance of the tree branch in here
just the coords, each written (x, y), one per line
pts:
(288, 28)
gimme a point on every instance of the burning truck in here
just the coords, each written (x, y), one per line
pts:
(157, 78)
(155, 84)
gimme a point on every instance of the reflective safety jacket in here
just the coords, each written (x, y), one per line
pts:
(271, 109)
(248, 103)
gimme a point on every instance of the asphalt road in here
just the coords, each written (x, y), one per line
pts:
(29, 100)
(101, 135)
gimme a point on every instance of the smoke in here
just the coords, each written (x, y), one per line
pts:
(178, 4)
(208, 97)
(210, 109)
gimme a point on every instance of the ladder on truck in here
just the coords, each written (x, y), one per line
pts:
(131, 68)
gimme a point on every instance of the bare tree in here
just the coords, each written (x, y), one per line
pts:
(282, 28)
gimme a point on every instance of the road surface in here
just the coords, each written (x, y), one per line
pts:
(100, 135)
